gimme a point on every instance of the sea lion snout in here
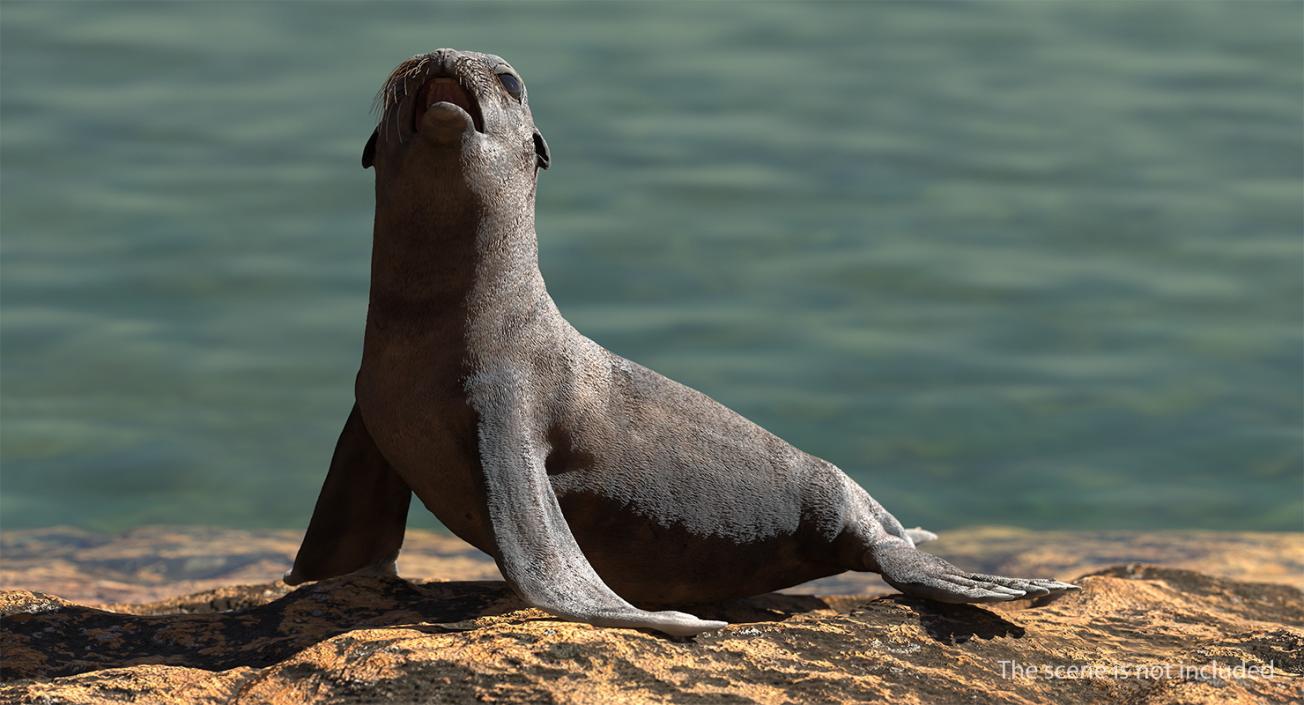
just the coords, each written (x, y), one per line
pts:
(445, 109)
(448, 103)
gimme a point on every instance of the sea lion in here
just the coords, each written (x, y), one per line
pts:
(601, 488)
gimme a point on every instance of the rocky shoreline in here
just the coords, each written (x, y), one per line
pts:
(172, 615)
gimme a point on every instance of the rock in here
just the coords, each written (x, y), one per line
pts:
(154, 563)
(1137, 633)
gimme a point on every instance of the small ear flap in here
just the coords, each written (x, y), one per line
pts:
(369, 152)
(542, 158)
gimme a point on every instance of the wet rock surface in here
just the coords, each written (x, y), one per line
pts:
(1136, 633)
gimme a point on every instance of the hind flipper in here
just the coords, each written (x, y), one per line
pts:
(920, 535)
(921, 574)
(361, 513)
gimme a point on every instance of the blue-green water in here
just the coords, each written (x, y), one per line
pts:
(1025, 263)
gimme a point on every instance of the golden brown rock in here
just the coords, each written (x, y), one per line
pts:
(154, 563)
(1126, 636)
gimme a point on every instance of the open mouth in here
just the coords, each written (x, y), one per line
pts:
(443, 89)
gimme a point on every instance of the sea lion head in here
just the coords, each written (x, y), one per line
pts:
(455, 116)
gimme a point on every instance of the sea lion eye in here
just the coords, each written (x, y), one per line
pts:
(512, 84)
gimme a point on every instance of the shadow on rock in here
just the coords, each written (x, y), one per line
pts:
(956, 624)
(770, 607)
(47, 638)
(50, 639)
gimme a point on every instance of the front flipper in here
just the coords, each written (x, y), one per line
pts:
(361, 513)
(536, 551)
(921, 574)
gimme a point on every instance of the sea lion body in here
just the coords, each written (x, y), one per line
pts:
(599, 486)
(626, 455)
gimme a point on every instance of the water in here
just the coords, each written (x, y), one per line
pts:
(1024, 263)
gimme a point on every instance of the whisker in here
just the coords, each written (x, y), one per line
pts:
(395, 88)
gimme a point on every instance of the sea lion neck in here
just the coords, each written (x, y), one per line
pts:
(457, 255)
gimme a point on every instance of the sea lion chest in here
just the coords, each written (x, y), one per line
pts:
(415, 408)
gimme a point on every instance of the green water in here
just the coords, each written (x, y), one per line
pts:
(1025, 263)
